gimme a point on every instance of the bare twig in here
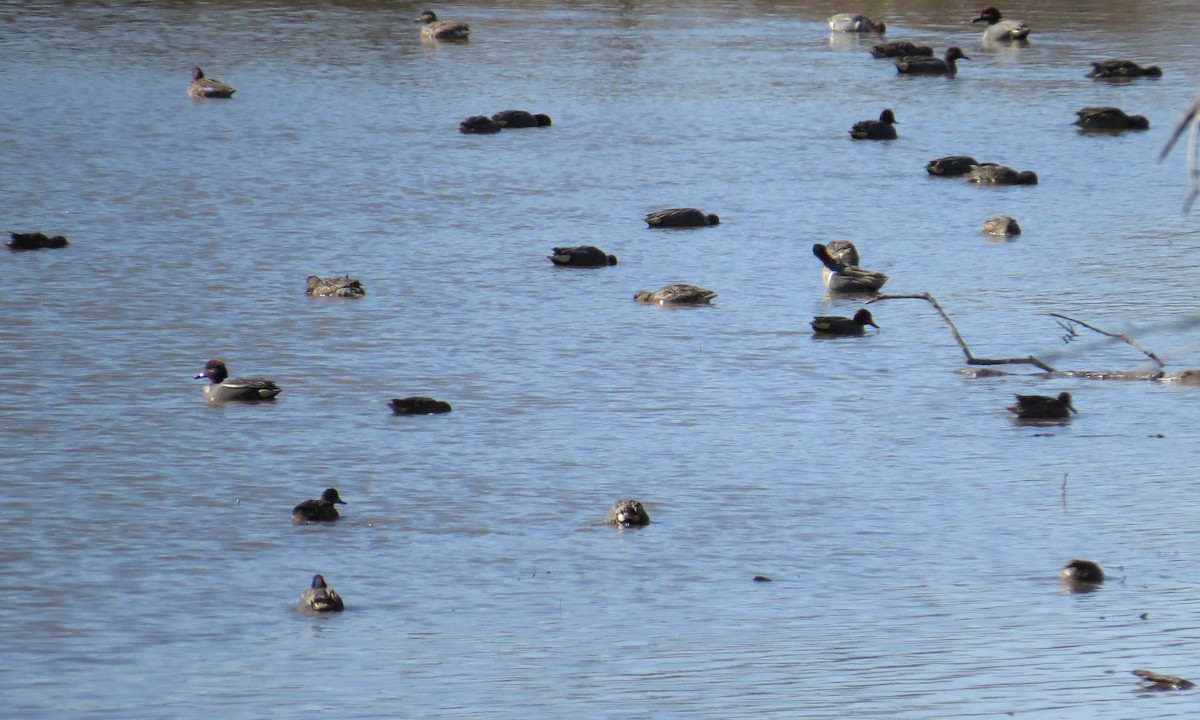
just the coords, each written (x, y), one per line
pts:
(1119, 336)
(971, 359)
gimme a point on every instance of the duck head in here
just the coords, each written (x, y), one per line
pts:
(331, 496)
(215, 371)
(990, 15)
(863, 317)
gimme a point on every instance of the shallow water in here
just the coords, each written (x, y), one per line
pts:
(912, 529)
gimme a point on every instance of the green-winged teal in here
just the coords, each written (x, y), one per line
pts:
(222, 388)
(1001, 225)
(844, 22)
(435, 29)
(676, 294)
(951, 165)
(1122, 69)
(35, 241)
(882, 129)
(1082, 571)
(838, 325)
(627, 513)
(1043, 407)
(1110, 119)
(521, 119)
(418, 405)
(320, 598)
(840, 271)
(581, 256)
(480, 125)
(681, 217)
(319, 510)
(345, 286)
(931, 65)
(206, 87)
(993, 174)
(998, 29)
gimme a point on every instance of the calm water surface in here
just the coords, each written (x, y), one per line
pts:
(912, 529)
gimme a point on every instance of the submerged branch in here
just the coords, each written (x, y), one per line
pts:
(971, 359)
(1119, 336)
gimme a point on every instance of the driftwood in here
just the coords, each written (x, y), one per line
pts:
(971, 359)
(1068, 324)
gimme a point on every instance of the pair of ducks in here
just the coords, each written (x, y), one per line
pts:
(485, 125)
(841, 274)
(222, 388)
(977, 172)
(998, 29)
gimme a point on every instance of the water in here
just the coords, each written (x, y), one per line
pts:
(912, 530)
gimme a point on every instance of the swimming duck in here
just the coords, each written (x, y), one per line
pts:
(993, 174)
(882, 129)
(931, 65)
(681, 217)
(676, 294)
(581, 256)
(1122, 69)
(521, 119)
(479, 124)
(206, 87)
(841, 274)
(838, 325)
(222, 388)
(999, 30)
(1001, 225)
(856, 24)
(951, 165)
(345, 286)
(35, 241)
(627, 513)
(320, 598)
(435, 29)
(1082, 571)
(1110, 118)
(321, 510)
(1157, 681)
(899, 49)
(1041, 407)
(418, 405)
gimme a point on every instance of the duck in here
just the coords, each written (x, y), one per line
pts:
(838, 325)
(856, 24)
(993, 174)
(882, 129)
(344, 286)
(320, 510)
(1081, 571)
(521, 119)
(900, 48)
(222, 388)
(320, 598)
(930, 65)
(951, 165)
(35, 241)
(581, 256)
(1001, 225)
(1122, 69)
(999, 30)
(681, 217)
(435, 29)
(418, 405)
(1157, 681)
(1042, 407)
(841, 273)
(627, 513)
(676, 294)
(206, 87)
(1110, 118)
(480, 125)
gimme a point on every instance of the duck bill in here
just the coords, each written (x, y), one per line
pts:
(201, 375)
(979, 19)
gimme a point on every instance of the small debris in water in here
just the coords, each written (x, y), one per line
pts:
(761, 578)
